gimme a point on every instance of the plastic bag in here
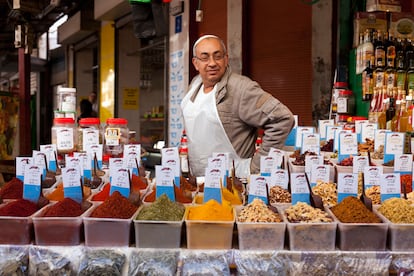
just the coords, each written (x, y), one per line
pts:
(260, 263)
(205, 263)
(14, 260)
(102, 262)
(153, 262)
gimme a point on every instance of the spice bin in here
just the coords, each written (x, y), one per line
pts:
(107, 231)
(58, 230)
(157, 234)
(260, 235)
(310, 236)
(203, 234)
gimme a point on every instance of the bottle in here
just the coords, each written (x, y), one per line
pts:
(403, 117)
(395, 119)
(381, 109)
(390, 75)
(89, 133)
(367, 49)
(368, 80)
(410, 72)
(400, 64)
(183, 153)
(372, 114)
(379, 49)
(390, 113)
(64, 136)
(359, 57)
(116, 135)
(410, 107)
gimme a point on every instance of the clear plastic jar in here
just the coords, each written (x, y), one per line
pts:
(66, 99)
(116, 135)
(89, 133)
(63, 135)
(346, 102)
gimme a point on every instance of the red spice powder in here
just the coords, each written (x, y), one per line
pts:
(19, 208)
(103, 194)
(65, 208)
(115, 206)
(12, 189)
(137, 183)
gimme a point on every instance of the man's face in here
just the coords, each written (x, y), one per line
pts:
(210, 61)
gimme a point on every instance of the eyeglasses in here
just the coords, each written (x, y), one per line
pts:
(206, 58)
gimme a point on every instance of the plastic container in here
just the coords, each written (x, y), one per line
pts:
(66, 99)
(116, 135)
(260, 235)
(89, 133)
(107, 231)
(64, 135)
(203, 234)
(361, 236)
(310, 236)
(158, 234)
(58, 230)
(346, 102)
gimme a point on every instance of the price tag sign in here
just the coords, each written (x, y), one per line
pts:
(114, 165)
(267, 164)
(39, 159)
(299, 131)
(368, 131)
(72, 188)
(359, 163)
(347, 185)
(379, 139)
(330, 132)
(218, 162)
(299, 188)
(311, 142)
(73, 162)
(227, 160)
(280, 178)
(85, 160)
(390, 186)
(319, 173)
(372, 175)
(257, 188)
(322, 124)
(121, 182)
(51, 154)
(64, 138)
(212, 184)
(21, 163)
(311, 160)
(358, 129)
(165, 181)
(132, 157)
(95, 152)
(170, 158)
(32, 182)
(348, 145)
(403, 163)
(90, 136)
(336, 139)
(278, 155)
(394, 144)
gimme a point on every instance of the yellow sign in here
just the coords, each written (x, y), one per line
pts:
(131, 98)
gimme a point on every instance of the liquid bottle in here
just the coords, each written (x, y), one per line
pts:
(183, 153)
(400, 64)
(390, 75)
(395, 119)
(403, 117)
(390, 113)
(368, 80)
(367, 49)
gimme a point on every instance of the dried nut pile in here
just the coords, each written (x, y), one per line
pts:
(327, 191)
(398, 210)
(302, 212)
(378, 154)
(257, 211)
(374, 194)
(279, 195)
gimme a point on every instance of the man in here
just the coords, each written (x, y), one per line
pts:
(222, 112)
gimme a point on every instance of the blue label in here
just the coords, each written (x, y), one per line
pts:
(212, 193)
(31, 192)
(74, 193)
(342, 196)
(300, 197)
(291, 139)
(384, 197)
(123, 191)
(250, 198)
(168, 190)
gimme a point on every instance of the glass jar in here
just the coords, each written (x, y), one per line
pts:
(116, 135)
(346, 102)
(89, 133)
(66, 99)
(63, 135)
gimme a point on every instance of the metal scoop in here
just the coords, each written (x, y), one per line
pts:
(50, 177)
(96, 180)
(364, 198)
(315, 200)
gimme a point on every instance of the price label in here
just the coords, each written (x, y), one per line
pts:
(71, 177)
(165, 181)
(32, 182)
(257, 188)
(299, 188)
(121, 182)
(212, 184)
(347, 185)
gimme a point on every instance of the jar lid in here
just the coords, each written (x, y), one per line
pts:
(352, 119)
(345, 92)
(66, 90)
(343, 118)
(63, 121)
(89, 121)
(340, 84)
(117, 121)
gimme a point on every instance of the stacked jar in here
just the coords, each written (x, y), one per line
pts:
(345, 105)
(63, 136)
(116, 135)
(89, 133)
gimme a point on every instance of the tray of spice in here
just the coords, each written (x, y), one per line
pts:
(399, 215)
(309, 228)
(16, 222)
(181, 196)
(109, 222)
(60, 222)
(359, 228)
(259, 227)
(159, 224)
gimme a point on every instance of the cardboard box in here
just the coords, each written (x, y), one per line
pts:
(368, 20)
(402, 25)
(383, 5)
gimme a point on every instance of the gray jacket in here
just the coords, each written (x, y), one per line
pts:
(243, 107)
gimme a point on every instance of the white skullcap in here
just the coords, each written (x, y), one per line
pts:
(205, 37)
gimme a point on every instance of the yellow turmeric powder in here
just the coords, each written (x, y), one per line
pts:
(227, 196)
(211, 210)
(58, 194)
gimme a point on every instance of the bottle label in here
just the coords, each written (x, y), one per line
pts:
(342, 106)
(379, 79)
(64, 138)
(112, 136)
(184, 163)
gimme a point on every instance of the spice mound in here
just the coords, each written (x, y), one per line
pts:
(257, 211)
(353, 210)
(181, 196)
(19, 208)
(58, 193)
(303, 212)
(65, 208)
(397, 210)
(374, 193)
(327, 191)
(115, 206)
(279, 195)
(163, 209)
(12, 189)
(212, 211)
